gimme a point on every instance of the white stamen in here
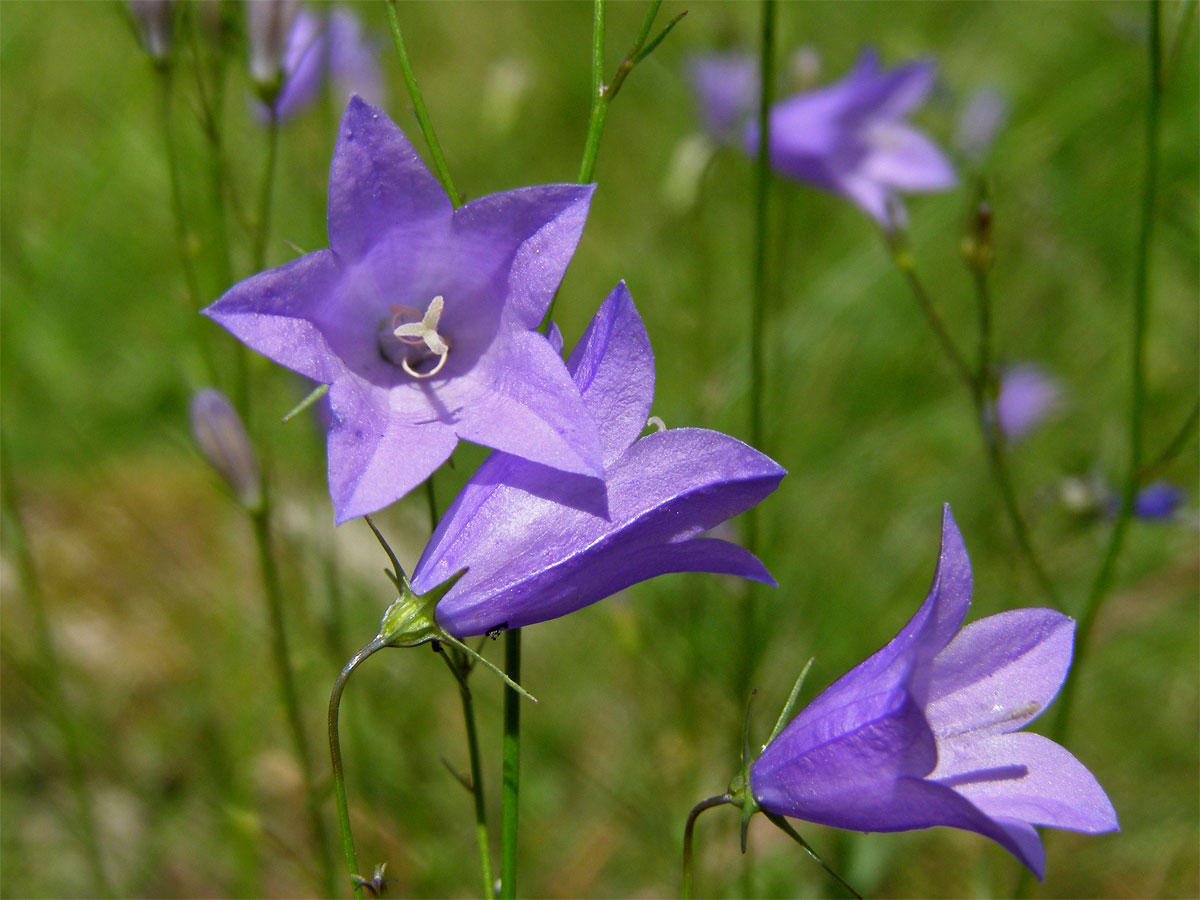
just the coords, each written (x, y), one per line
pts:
(656, 423)
(422, 332)
(995, 716)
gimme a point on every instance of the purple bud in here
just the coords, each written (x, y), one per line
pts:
(221, 439)
(985, 113)
(155, 24)
(1027, 397)
(269, 23)
(1158, 500)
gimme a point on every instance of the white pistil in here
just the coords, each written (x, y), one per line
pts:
(422, 332)
(995, 716)
(656, 423)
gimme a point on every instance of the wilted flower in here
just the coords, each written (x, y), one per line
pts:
(536, 544)
(221, 439)
(155, 25)
(925, 732)
(851, 137)
(1027, 396)
(423, 320)
(1158, 500)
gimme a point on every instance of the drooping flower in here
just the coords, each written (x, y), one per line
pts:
(851, 137)
(309, 48)
(1158, 501)
(422, 319)
(925, 731)
(536, 544)
(1027, 397)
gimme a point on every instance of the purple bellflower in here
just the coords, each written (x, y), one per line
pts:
(851, 138)
(315, 47)
(536, 544)
(925, 732)
(1027, 397)
(1158, 501)
(726, 89)
(422, 319)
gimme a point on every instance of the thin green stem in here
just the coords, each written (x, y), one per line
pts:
(414, 92)
(187, 257)
(599, 104)
(1141, 310)
(49, 671)
(460, 668)
(287, 684)
(1173, 449)
(264, 208)
(512, 767)
(688, 831)
(786, 827)
(335, 758)
(903, 258)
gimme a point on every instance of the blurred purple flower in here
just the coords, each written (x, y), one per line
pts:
(312, 48)
(221, 439)
(1027, 396)
(537, 545)
(155, 25)
(1158, 500)
(924, 732)
(726, 90)
(851, 137)
(423, 320)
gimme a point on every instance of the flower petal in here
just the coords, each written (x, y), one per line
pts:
(896, 93)
(902, 158)
(537, 228)
(374, 459)
(841, 767)
(999, 673)
(273, 312)
(613, 367)
(377, 180)
(536, 546)
(1028, 777)
(528, 405)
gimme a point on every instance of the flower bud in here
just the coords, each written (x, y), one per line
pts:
(221, 439)
(155, 25)
(268, 25)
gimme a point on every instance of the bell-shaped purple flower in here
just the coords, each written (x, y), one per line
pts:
(536, 544)
(422, 319)
(1027, 397)
(851, 137)
(925, 732)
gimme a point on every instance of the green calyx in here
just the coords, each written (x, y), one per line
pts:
(411, 620)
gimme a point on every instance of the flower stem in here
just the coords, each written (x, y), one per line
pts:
(287, 683)
(1141, 309)
(410, 79)
(512, 764)
(688, 830)
(49, 670)
(268, 182)
(599, 105)
(335, 757)
(1174, 446)
(460, 668)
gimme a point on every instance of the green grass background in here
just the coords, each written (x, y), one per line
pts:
(148, 572)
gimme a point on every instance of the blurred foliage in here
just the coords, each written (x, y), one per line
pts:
(147, 567)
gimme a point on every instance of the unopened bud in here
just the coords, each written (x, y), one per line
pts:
(155, 25)
(221, 439)
(268, 24)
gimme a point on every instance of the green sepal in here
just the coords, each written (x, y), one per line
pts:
(410, 621)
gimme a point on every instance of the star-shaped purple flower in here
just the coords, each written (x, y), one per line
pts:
(851, 138)
(925, 732)
(536, 544)
(422, 319)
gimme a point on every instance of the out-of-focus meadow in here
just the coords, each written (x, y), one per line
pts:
(147, 567)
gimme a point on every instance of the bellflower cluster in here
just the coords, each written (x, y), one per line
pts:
(422, 319)
(536, 544)
(925, 731)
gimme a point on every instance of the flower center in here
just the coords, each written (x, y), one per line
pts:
(418, 333)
